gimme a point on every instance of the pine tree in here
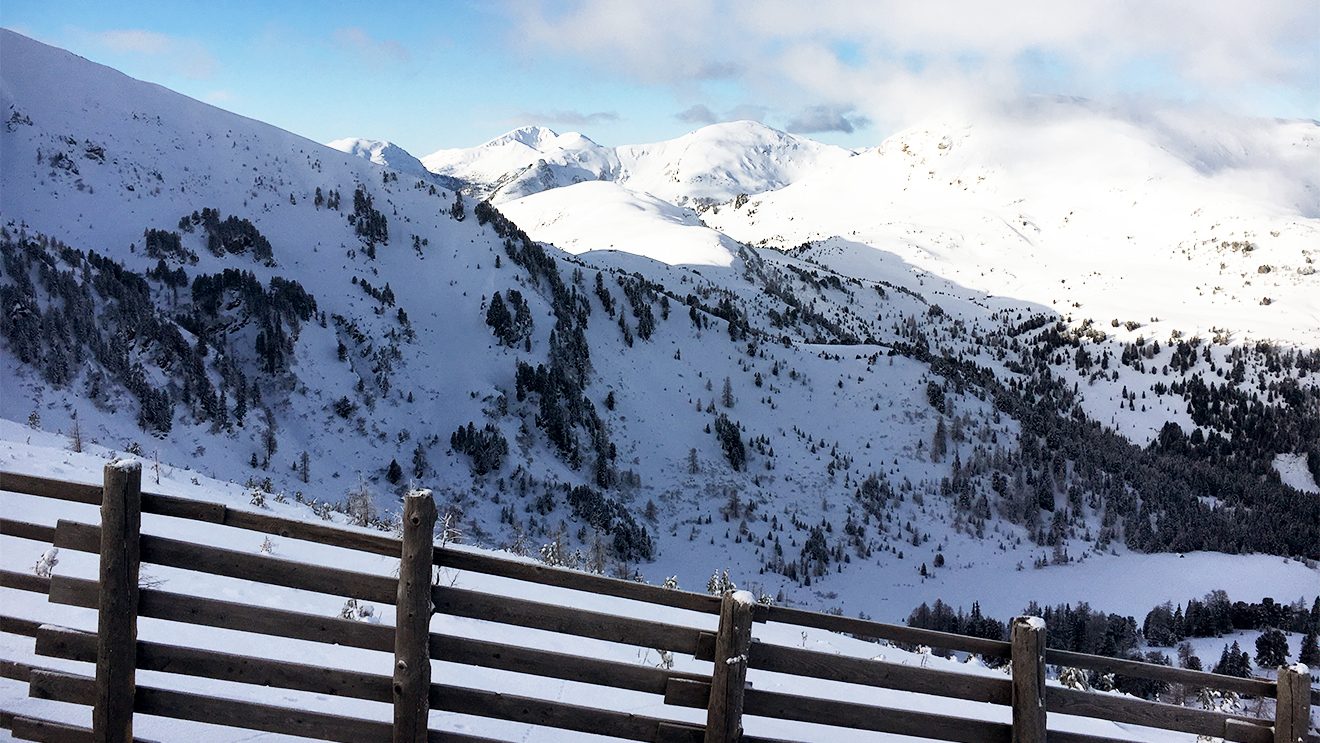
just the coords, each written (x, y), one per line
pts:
(1310, 654)
(939, 444)
(394, 473)
(726, 396)
(1271, 649)
(420, 465)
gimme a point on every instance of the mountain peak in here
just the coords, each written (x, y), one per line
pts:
(532, 136)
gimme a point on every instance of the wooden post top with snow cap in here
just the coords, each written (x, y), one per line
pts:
(1292, 712)
(412, 624)
(1028, 666)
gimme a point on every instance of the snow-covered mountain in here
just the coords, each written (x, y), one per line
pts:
(526, 161)
(720, 162)
(383, 153)
(823, 419)
(1168, 222)
(713, 164)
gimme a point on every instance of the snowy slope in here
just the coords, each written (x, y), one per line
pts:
(601, 215)
(1201, 224)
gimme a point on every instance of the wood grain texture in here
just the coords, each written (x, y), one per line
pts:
(116, 669)
(1028, 666)
(459, 559)
(412, 655)
(728, 679)
(462, 602)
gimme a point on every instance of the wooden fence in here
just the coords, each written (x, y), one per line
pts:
(725, 694)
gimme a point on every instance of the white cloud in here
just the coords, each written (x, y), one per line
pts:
(892, 60)
(189, 56)
(568, 117)
(814, 119)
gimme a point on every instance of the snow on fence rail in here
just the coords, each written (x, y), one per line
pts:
(115, 696)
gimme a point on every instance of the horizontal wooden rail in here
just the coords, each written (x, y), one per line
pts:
(878, 673)
(180, 705)
(561, 715)
(782, 706)
(178, 607)
(485, 654)
(462, 602)
(458, 559)
(19, 626)
(215, 513)
(71, 644)
(25, 530)
(1141, 669)
(275, 571)
(1156, 715)
(881, 631)
(24, 582)
(47, 731)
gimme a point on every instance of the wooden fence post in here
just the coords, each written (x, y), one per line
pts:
(116, 647)
(412, 624)
(1028, 666)
(1292, 714)
(729, 678)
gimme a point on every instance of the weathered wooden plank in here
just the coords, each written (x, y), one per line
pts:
(14, 670)
(1245, 732)
(879, 673)
(461, 602)
(1251, 687)
(47, 731)
(729, 674)
(1028, 666)
(557, 714)
(486, 654)
(412, 657)
(116, 671)
(45, 487)
(181, 705)
(183, 508)
(25, 530)
(1135, 711)
(783, 706)
(1058, 736)
(275, 571)
(71, 644)
(1292, 716)
(178, 607)
(447, 736)
(216, 513)
(459, 559)
(683, 692)
(334, 536)
(880, 631)
(19, 626)
(24, 582)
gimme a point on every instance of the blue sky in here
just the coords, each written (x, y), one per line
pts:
(431, 75)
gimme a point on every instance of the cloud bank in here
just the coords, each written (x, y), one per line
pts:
(833, 65)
